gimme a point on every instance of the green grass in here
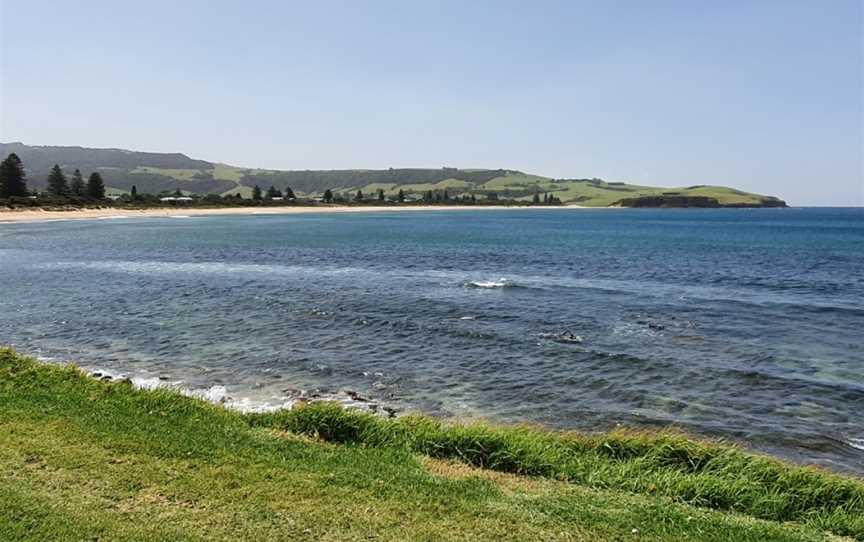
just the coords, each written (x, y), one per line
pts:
(603, 194)
(722, 193)
(391, 189)
(227, 173)
(82, 459)
(373, 188)
(245, 191)
(514, 181)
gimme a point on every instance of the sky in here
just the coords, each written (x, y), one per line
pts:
(766, 96)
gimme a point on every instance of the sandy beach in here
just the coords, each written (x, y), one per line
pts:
(40, 215)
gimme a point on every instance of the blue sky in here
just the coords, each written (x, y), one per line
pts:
(761, 95)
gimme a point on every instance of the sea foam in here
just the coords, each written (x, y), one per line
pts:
(500, 283)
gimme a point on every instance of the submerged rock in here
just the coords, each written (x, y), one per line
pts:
(563, 337)
(356, 396)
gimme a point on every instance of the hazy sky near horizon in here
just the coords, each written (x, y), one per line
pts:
(762, 95)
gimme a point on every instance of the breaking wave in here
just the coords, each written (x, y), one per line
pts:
(500, 283)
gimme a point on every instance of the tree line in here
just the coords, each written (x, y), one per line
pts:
(13, 182)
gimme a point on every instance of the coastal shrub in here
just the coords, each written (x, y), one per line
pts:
(697, 472)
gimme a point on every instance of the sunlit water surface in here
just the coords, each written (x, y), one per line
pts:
(743, 324)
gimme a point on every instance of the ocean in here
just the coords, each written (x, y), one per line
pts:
(740, 324)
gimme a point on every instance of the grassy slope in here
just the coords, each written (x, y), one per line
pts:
(83, 459)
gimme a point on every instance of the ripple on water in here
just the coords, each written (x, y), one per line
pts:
(744, 336)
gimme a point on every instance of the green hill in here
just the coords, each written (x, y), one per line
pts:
(156, 172)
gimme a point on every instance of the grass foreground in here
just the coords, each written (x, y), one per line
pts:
(82, 459)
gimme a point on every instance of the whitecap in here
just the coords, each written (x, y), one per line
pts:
(215, 394)
(248, 405)
(151, 383)
(500, 283)
(857, 443)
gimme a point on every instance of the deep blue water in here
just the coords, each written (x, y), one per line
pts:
(745, 324)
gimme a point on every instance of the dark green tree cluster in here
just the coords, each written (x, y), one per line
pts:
(76, 186)
(435, 196)
(13, 181)
(95, 186)
(59, 186)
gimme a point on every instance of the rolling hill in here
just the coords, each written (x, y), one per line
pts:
(157, 172)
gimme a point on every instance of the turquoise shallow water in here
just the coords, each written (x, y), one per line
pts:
(744, 324)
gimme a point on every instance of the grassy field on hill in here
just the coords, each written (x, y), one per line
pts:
(516, 185)
(157, 172)
(82, 459)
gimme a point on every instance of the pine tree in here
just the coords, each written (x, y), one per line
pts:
(359, 196)
(273, 192)
(13, 182)
(76, 187)
(446, 195)
(289, 194)
(95, 186)
(328, 196)
(536, 199)
(401, 196)
(380, 195)
(256, 193)
(134, 193)
(57, 185)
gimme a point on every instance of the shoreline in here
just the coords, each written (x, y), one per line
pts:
(200, 459)
(40, 215)
(226, 395)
